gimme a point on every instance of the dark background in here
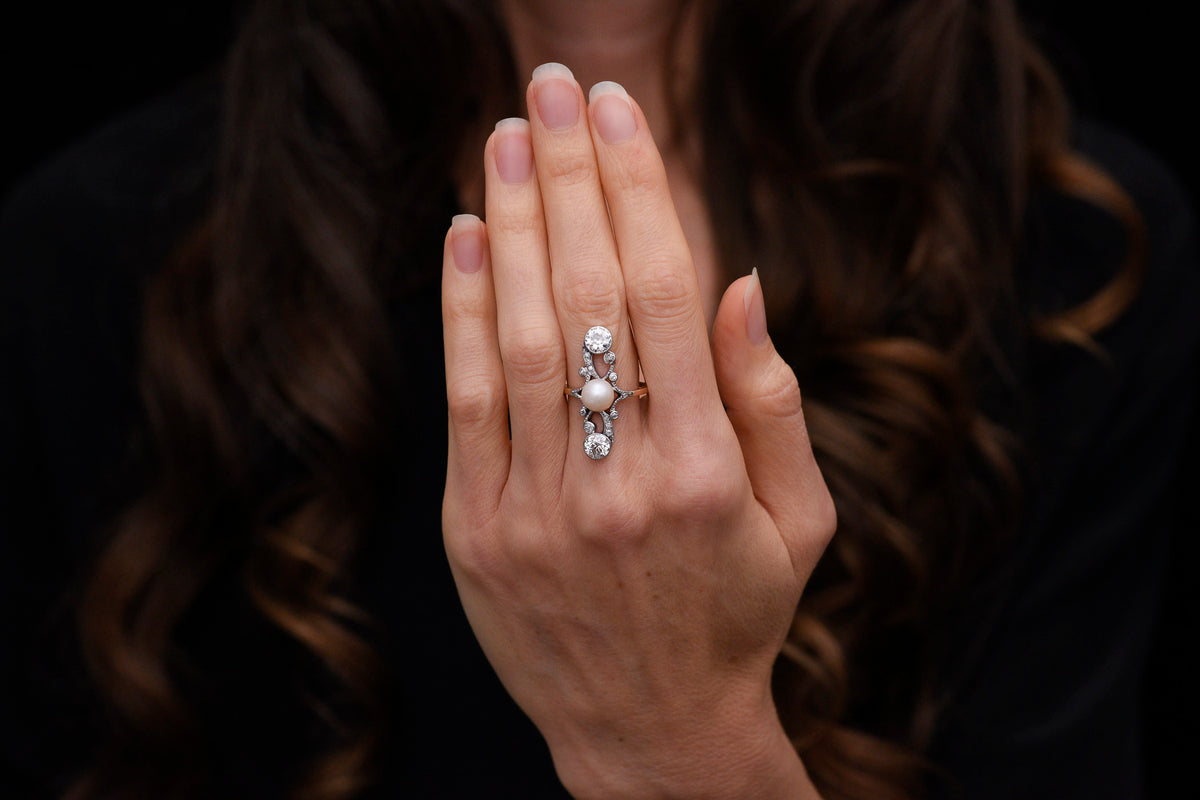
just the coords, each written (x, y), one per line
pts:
(66, 70)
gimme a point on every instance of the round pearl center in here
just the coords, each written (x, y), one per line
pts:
(598, 394)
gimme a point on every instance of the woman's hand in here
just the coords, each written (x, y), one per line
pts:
(633, 606)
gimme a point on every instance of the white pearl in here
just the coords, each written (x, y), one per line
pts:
(598, 394)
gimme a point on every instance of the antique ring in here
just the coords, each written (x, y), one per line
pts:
(600, 393)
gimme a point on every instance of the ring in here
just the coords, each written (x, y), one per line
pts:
(600, 393)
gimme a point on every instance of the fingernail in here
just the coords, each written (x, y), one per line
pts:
(514, 153)
(612, 112)
(555, 96)
(756, 310)
(466, 243)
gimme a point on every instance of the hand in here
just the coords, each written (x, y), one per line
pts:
(633, 606)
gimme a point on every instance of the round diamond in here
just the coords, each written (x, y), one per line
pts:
(597, 446)
(597, 339)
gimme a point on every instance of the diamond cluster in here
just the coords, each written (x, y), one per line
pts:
(595, 392)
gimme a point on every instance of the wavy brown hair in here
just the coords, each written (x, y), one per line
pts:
(883, 204)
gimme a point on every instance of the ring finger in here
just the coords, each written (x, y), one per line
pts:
(585, 270)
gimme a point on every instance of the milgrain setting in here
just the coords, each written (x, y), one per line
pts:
(599, 393)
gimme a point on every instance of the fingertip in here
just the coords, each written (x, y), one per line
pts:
(606, 87)
(730, 320)
(467, 246)
(612, 112)
(756, 309)
(511, 148)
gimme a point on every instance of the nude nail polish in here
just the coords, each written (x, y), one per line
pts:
(612, 112)
(514, 152)
(555, 96)
(756, 310)
(466, 242)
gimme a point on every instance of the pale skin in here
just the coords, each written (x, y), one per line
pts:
(633, 607)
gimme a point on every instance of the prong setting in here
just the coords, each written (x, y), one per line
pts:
(600, 393)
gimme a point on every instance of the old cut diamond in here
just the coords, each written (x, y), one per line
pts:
(597, 340)
(597, 446)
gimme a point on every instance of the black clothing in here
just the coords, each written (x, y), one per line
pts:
(1047, 689)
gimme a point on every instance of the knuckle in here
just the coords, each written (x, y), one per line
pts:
(571, 167)
(824, 515)
(663, 292)
(513, 226)
(526, 548)
(470, 547)
(464, 310)
(779, 393)
(639, 173)
(614, 522)
(475, 400)
(706, 489)
(592, 294)
(532, 355)
(475, 556)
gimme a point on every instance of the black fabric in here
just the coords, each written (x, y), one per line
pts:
(1048, 666)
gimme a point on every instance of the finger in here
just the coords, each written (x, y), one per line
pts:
(586, 274)
(661, 289)
(475, 391)
(531, 346)
(762, 399)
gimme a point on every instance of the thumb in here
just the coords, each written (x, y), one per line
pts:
(762, 399)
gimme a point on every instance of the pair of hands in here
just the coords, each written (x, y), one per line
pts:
(632, 606)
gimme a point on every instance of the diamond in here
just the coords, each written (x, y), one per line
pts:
(597, 446)
(597, 340)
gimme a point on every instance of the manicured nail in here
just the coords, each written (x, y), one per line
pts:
(612, 112)
(555, 96)
(756, 310)
(466, 242)
(514, 153)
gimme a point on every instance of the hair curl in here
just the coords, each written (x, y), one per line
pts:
(883, 203)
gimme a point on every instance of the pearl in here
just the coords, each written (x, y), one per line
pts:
(598, 394)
